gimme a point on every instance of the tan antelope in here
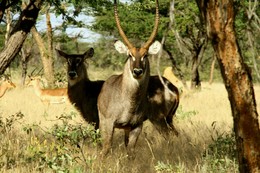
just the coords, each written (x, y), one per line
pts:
(124, 102)
(169, 75)
(5, 85)
(81, 90)
(48, 96)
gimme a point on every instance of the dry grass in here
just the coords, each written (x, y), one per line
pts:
(201, 118)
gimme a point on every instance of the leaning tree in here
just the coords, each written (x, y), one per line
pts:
(19, 33)
(219, 17)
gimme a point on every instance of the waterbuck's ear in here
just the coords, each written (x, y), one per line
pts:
(89, 53)
(60, 53)
(154, 48)
(120, 47)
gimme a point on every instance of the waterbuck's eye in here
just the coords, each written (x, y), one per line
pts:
(69, 61)
(78, 61)
(133, 58)
(144, 57)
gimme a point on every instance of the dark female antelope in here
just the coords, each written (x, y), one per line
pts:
(122, 102)
(81, 90)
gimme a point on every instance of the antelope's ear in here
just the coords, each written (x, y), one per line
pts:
(89, 53)
(120, 47)
(154, 48)
(61, 53)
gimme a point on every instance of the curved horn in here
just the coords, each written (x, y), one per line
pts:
(155, 29)
(121, 32)
(30, 75)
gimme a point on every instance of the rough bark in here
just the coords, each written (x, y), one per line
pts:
(219, 16)
(50, 49)
(8, 25)
(19, 33)
(212, 69)
(25, 54)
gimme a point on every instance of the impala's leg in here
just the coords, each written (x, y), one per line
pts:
(133, 136)
(107, 131)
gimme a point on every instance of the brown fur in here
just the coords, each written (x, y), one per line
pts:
(123, 101)
(82, 92)
(122, 104)
(163, 103)
(6, 84)
(48, 96)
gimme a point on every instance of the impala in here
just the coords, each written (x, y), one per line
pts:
(48, 96)
(6, 84)
(124, 102)
(82, 92)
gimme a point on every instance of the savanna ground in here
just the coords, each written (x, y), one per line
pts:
(41, 138)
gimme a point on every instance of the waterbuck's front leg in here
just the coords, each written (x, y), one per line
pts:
(107, 132)
(133, 135)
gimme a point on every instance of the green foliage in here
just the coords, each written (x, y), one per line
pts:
(68, 133)
(59, 149)
(2, 36)
(163, 167)
(220, 156)
(187, 18)
(106, 56)
(181, 114)
(137, 20)
(72, 147)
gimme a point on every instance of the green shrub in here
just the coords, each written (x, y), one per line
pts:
(220, 155)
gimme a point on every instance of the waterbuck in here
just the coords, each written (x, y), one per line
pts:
(123, 100)
(81, 90)
(163, 101)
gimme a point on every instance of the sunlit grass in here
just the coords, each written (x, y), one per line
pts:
(40, 138)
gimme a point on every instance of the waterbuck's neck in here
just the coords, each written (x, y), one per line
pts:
(136, 88)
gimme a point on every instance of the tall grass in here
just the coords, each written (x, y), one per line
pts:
(41, 138)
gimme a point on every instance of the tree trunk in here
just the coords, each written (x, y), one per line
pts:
(19, 33)
(25, 54)
(219, 16)
(50, 48)
(47, 62)
(8, 24)
(198, 52)
(212, 69)
(251, 17)
(195, 77)
(253, 51)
